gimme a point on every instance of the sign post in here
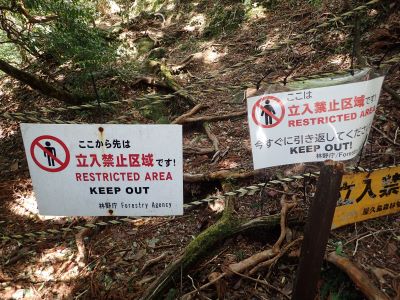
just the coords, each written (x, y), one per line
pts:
(317, 230)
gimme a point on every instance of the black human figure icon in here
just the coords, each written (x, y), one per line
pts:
(52, 150)
(268, 118)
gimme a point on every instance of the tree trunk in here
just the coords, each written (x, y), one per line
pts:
(42, 86)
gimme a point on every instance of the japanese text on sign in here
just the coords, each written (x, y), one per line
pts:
(368, 195)
(312, 125)
(133, 170)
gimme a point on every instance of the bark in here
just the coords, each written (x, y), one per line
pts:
(42, 86)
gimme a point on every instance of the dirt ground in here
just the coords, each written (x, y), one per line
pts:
(108, 262)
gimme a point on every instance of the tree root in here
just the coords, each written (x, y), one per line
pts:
(359, 277)
(238, 268)
(256, 259)
(226, 227)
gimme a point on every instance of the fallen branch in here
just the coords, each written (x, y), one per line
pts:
(359, 277)
(219, 175)
(200, 151)
(191, 112)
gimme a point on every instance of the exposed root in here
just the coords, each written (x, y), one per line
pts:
(256, 259)
(226, 227)
(359, 277)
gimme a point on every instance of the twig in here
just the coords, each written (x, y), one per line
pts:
(367, 235)
(213, 118)
(153, 261)
(205, 286)
(264, 283)
(385, 136)
(197, 290)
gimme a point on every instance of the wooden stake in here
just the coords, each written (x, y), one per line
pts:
(317, 231)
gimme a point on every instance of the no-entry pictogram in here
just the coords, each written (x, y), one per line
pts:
(268, 112)
(54, 154)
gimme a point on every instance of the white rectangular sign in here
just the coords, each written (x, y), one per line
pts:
(99, 170)
(313, 124)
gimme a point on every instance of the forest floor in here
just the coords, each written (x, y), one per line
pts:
(108, 262)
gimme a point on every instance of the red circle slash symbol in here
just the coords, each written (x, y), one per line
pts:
(50, 155)
(272, 111)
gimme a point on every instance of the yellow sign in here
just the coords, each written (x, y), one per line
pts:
(366, 195)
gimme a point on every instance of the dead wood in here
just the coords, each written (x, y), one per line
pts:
(358, 276)
(42, 86)
(220, 175)
(214, 118)
(199, 151)
(194, 110)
